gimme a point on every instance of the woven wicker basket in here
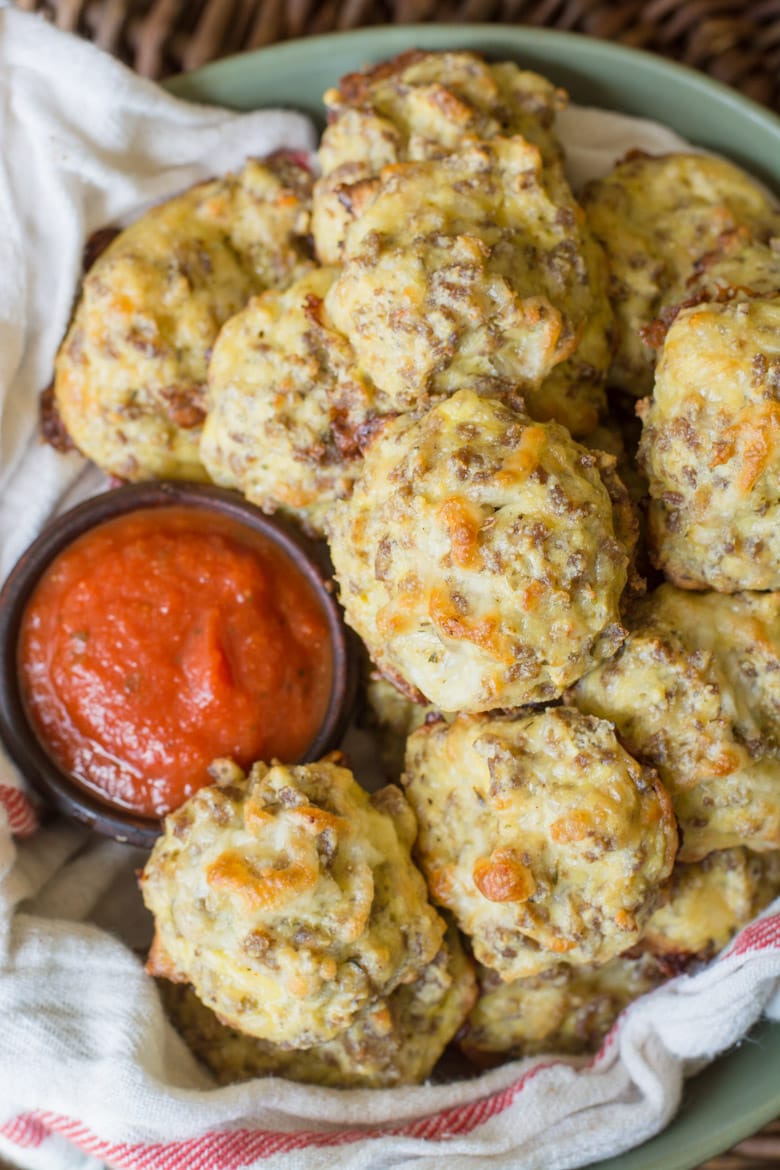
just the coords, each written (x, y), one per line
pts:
(736, 41)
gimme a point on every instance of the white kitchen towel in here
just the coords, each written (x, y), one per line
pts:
(85, 143)
(89, 1068)
(86, 1055)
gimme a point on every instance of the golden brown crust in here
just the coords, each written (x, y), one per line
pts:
(478, 557)
(739, 268)
(486, 560)
(96, 245)
(540, 834)
(567, 1010)
(131, 373)
(426, 122)
(288, 899)
(477, 270)
(708, 901)
(52, 427)
(695, 691)
(711, 448)
(656, 218)
(395, 1040)
(286, 405)
(417, 106)
(159, 963)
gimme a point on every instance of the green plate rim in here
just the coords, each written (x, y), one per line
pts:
(685, 1143)
(218, 81)
(588, 46)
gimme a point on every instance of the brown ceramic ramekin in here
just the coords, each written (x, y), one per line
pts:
(56, 786)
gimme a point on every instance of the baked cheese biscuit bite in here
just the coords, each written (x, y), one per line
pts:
(544, 838)
(711, 448)
(476, 270)
(708, 901)
(656, 216)
(285, 404)
(419, 105)
(480, 557)
(395, 1040)
(567, 1010)
(695, 691)
(130, 376)
(739, 267)
(288, 899)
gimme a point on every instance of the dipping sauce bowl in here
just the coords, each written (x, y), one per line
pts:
(158, 626)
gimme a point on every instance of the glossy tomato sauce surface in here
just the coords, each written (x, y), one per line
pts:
(167, 637)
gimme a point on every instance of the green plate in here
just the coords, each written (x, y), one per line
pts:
(740, 1092)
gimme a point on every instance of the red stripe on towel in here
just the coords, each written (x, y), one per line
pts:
(758, 936)
(236, 1148)
(21, 814)
(241, 1147)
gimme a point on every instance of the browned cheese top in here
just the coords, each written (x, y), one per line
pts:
(478, 557)
(541, 834)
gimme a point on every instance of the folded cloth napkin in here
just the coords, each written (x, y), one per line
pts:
(90, 1071)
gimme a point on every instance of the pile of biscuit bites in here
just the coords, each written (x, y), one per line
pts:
(440, 361)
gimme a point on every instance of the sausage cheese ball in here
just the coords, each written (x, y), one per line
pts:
(285, 404)
(477, 557)
(710, 900)
(395, 1040)
(695, 691)
(656, 216)
(711, 448)
(570, 1009)
(567, 1010)
(738, 267)
(545, 839)
(288, 899)
(474, 270)
(419, 106)
(130, 380)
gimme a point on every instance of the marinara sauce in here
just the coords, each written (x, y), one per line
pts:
(165, 638)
